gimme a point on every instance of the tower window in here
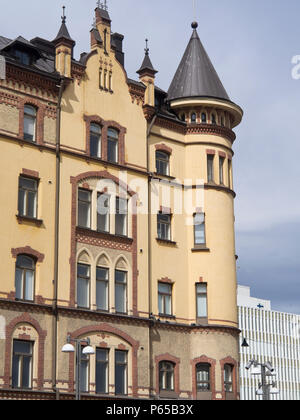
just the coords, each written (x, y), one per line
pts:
(203, 118)
(193, 117)
(210, 168)
(199, 229)
(228, 373)
(221, 169)
(213, 119)
(203, 377)
(201, 299)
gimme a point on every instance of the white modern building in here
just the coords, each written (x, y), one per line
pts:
(272, 336)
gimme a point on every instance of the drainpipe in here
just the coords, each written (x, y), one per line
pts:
(56, 240)
(150, 257)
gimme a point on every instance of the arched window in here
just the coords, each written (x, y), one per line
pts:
(83, 285)
(95, 140)
(203, 377)
(102, 288)
(193, 117)
(121, 291)
(182, 117)
(213, 119)
(112, 145)
(228, 375)
(203, 118)
(166, 376)
(30, 123)
(25, 277)
(162, 163)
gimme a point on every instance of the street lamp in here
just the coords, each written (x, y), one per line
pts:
(263, 369)
(87, 350)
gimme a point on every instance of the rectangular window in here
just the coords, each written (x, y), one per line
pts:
(165, 299)
(201, 299)
(199, 229)
(103, 212)
(166, 376)
(112, 145)
(83, 286)
(95, 140)
(102, 369)
(24, 278)
(210, 168)
(162, 163)
(121, 291)
(27, 201)
(229, 174)
(121, 216)
(221, 169)
(102, 278)
(29, 123)
(120, 372)
(84, 208)
(22, 364)
(164, 226)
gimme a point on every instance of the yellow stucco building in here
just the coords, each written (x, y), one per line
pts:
(117, 225)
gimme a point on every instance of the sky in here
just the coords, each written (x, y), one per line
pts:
(251, 44)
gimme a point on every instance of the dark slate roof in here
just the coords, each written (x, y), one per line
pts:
(146, 65)
(63, 33)
(196, 75)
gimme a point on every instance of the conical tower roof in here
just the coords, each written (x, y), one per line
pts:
(63, 33)
(196, 75)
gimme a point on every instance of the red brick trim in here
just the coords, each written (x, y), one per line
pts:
(105, 125)
(104, 175)
(40, 115)
(167, 357)
(222, 154)
(30, 173)
(212, 363)
(210, 152)
(165, 210)
(229, 361)
(229, 157)
(164, 148)
(166, 280)
(29, 251)
(10, 328)
(107, 328)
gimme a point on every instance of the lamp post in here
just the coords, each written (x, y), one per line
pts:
(264, 370)
(87, 350)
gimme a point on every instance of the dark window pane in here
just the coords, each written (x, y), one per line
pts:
(101, 371)
(120, 372)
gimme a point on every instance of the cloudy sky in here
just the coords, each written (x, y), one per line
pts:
(251, 43)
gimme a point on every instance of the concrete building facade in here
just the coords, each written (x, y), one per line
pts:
(272, 337)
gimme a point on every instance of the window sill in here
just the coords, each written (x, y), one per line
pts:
(89, 231)
(167, 317)
(166, 241)
(27, 219)
(168, 394)
(200, 248)
(157, 175)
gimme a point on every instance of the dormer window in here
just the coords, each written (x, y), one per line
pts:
(23, 57)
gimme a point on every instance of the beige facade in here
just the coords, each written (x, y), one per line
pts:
(105, 283)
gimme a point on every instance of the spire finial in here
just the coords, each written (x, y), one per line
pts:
(101, 5)
(147, 49)
(64, 18)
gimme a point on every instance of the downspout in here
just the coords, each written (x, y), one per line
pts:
(56, 240)
(151, 324)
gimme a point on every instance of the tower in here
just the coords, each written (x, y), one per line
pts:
(64, 46)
